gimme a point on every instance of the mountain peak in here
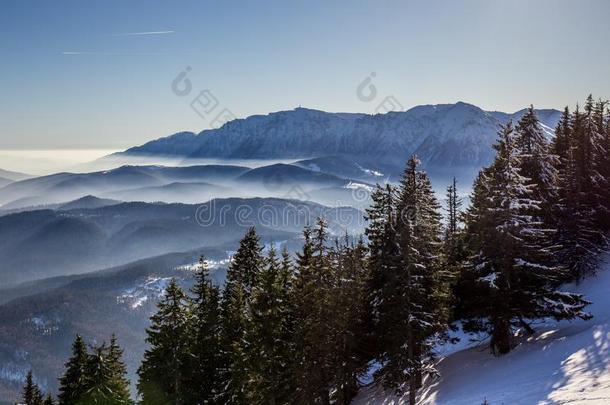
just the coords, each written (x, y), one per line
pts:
(305, 109)
(466, 105)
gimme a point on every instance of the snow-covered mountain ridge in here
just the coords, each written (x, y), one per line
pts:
(444, 135)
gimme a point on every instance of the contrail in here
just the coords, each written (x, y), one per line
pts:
(128, 34)
(113, 53)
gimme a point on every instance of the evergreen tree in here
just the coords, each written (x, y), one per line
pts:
(383, 263)
(409, 287)
(73, 384)
(246, 264)
(242, 277)
(31, 391)
(561, 144)
(268, 336)
(312, 334)
(287, 274)
(206, 371)
(537, 165)
(454, 203)
(103, 385)
(347, 300)
(424, 284)
(330, 294)
(517, 282)
(592, 142)
(235, 324)
(287, 282)
(478, 226)
(162, 371)
(583, 149)
(604, 165)
(48, 400)
(601, 127)
(118, 383)
(576, 206)
(303, 285)
(454, 250)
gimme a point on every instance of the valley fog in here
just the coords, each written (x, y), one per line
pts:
(42, 162)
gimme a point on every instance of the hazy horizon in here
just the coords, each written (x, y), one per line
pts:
(47, 161)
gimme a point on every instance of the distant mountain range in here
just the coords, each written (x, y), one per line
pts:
(445, 137)
(305, 180)
(89, 234)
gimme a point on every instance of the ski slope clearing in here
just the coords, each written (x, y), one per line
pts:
(563, 363)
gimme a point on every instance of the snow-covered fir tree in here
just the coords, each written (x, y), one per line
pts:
(514, 276)
(411, 297)
(537, 165)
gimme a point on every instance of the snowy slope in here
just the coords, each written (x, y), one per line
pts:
(564, 363)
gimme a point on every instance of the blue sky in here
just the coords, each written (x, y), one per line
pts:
(98, 74)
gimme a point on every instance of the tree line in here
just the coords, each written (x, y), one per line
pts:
(307, 330)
